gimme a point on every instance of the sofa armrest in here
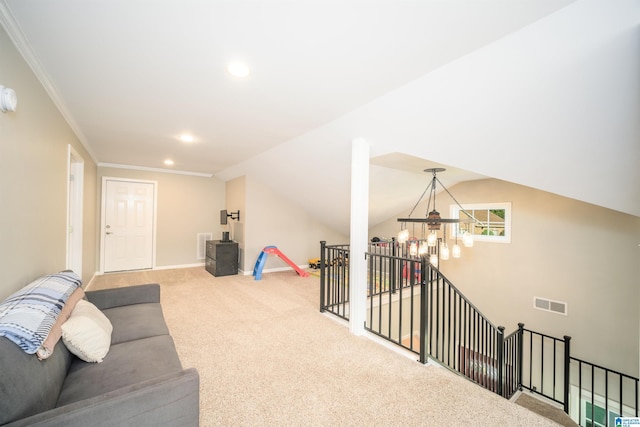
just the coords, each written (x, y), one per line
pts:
(117, 297)
(172, 399)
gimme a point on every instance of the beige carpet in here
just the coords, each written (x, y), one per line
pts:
(547, 410)
(267, 357)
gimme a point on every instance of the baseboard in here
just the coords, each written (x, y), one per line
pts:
(171, 267)
(86, 288)
(163, 267)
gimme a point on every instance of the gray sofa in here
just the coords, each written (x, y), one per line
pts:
(141, 381)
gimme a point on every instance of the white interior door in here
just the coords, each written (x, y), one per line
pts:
(128, 225)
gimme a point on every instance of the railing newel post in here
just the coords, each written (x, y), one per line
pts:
(519, 356)
(323, 245)
(500, 359)
(423, 310)
(567, 369)
(392, 269)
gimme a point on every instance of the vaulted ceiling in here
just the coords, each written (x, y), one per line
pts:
(131, 76)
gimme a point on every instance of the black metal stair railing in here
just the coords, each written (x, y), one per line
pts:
(454, 332)
(334, 279)
(591, 394)
(600, 394)
(412, 304)
(547, 359)
(393, 304)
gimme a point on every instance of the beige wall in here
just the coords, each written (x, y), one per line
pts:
(563, 250)
(187, 205)
(33, 181)
(274, 220)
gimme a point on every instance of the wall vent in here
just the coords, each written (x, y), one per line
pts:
(201, 248)
(545, 304)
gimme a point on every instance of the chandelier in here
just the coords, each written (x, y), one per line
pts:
(431, 244)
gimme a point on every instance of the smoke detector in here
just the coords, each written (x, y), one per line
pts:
(8, 99)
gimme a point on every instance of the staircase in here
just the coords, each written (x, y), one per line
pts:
(412, 304)
(544, 409)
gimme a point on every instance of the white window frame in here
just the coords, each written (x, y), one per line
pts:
(613, 405)
(455, 210)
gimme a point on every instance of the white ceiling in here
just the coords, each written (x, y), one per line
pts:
(131, 75)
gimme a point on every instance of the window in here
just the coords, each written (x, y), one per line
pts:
(492, 221)
(599, 415)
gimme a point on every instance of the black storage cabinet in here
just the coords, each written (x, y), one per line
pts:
(222, 257)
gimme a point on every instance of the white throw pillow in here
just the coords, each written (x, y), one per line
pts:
(87, 332)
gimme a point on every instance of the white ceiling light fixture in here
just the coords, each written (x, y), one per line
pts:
(169, 162)
(8, 99)
(185, 137)
(238, 69)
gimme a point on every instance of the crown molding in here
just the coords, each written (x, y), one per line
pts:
(148, 169)
(21, 43)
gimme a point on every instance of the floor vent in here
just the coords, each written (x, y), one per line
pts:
(545, 304)
(201, 249)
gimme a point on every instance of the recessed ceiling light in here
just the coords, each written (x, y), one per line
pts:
(186, 138)
(168, 162)
(238, 69)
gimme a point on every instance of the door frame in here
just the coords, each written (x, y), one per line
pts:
(75, 204)
(103, 208)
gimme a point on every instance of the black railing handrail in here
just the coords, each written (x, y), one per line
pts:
(368, 254)
(543, 335)
(344, 246)
(612, 371)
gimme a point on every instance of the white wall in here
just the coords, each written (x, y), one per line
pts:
(553, 106)
(273, 220)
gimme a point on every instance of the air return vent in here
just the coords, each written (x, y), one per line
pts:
(545, 304)
(201, 249)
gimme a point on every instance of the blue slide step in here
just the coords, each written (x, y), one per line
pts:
(257, 270)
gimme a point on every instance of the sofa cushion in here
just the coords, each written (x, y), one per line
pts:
(132, 322)
(27, 385)
(126, 364)
(87, 333)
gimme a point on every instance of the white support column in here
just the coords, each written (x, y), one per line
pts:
(359, 235)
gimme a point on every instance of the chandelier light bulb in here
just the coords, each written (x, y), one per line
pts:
(432, 239)
(403, 236)
(413, 249)
(433, 259)
(444, 252)
(467, 239)
(424, 248)
(456, 251)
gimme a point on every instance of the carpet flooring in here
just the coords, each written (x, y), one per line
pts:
(267, 356)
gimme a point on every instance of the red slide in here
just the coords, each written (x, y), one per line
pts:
(272, 250)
